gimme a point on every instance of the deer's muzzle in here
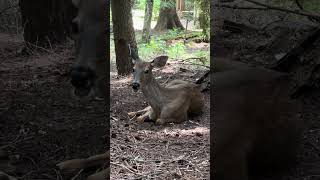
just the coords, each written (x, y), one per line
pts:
(82, 79)
(135, 86)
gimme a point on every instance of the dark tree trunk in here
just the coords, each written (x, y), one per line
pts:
(147, 21)
(123, 35)
(216, 18)
(47, 21)
(168, 17)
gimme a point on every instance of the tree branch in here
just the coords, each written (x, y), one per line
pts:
(239, 7)
(301, 8)
(301, 12)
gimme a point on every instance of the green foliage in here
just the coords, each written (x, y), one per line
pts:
(171, 34)
(141, 5)
(168, 4)
(155, 46)
(204, 16)
(176, 50)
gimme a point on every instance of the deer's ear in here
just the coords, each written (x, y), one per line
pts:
(76, 3)
(134, 61)
(159, 61)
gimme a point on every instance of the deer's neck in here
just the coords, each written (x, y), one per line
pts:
(154, 93)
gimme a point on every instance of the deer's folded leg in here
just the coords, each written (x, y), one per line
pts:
(143, 117)
(102, 175)
(138, 113)
(95, 160)
(175, 111)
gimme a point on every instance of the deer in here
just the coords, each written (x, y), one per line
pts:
(89, 72)
(172, 103)
(255, 128)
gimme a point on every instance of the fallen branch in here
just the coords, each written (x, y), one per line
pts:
(237, 27)
(239, 7)
(202, 78)
(293, 55)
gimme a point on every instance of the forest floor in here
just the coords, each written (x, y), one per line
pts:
(40, 123)
(261, 49)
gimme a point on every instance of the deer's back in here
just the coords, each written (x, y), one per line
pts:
(192, 92)
(254, 116)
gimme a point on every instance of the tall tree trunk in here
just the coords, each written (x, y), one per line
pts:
(47, 21)
(147, 21)
(168, 17)
(123, 35)
(204, 17)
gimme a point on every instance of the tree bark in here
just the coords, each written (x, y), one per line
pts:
(46, 22)
(168, 17)
(147, 21)
(123, 35)
(216, 17)
(204, 17)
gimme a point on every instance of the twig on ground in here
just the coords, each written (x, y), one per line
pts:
(77, 175)
(47, 50)
(125, 167)
(8, 8)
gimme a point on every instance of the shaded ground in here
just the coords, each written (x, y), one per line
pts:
(40, 124)
(261, 49)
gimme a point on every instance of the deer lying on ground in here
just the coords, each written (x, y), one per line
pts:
(255, 129)
(172, 103)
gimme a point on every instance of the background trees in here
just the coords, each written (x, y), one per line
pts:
(123, 35)
(46, 22)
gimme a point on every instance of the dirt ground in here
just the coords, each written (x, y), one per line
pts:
(40, 123)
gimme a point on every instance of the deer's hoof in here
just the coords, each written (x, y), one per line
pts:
(131, 114)
(160, 121)
(140, 119)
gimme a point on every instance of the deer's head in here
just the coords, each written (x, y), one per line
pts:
(142, 71)
(89, 35)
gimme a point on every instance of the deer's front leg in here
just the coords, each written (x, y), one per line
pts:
(138, 113)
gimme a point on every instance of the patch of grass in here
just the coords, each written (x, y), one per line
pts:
(176, 50)
(156, 46)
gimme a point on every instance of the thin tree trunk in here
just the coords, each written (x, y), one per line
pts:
(147, 21)
(123, 35)
(168, 17)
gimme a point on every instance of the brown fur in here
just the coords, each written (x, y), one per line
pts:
(254, 124)
(171, 103)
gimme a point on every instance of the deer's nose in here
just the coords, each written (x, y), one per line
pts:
(135, 85)
(81, 77)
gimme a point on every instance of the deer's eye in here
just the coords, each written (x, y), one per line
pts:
(132, 70)
(146, 71)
